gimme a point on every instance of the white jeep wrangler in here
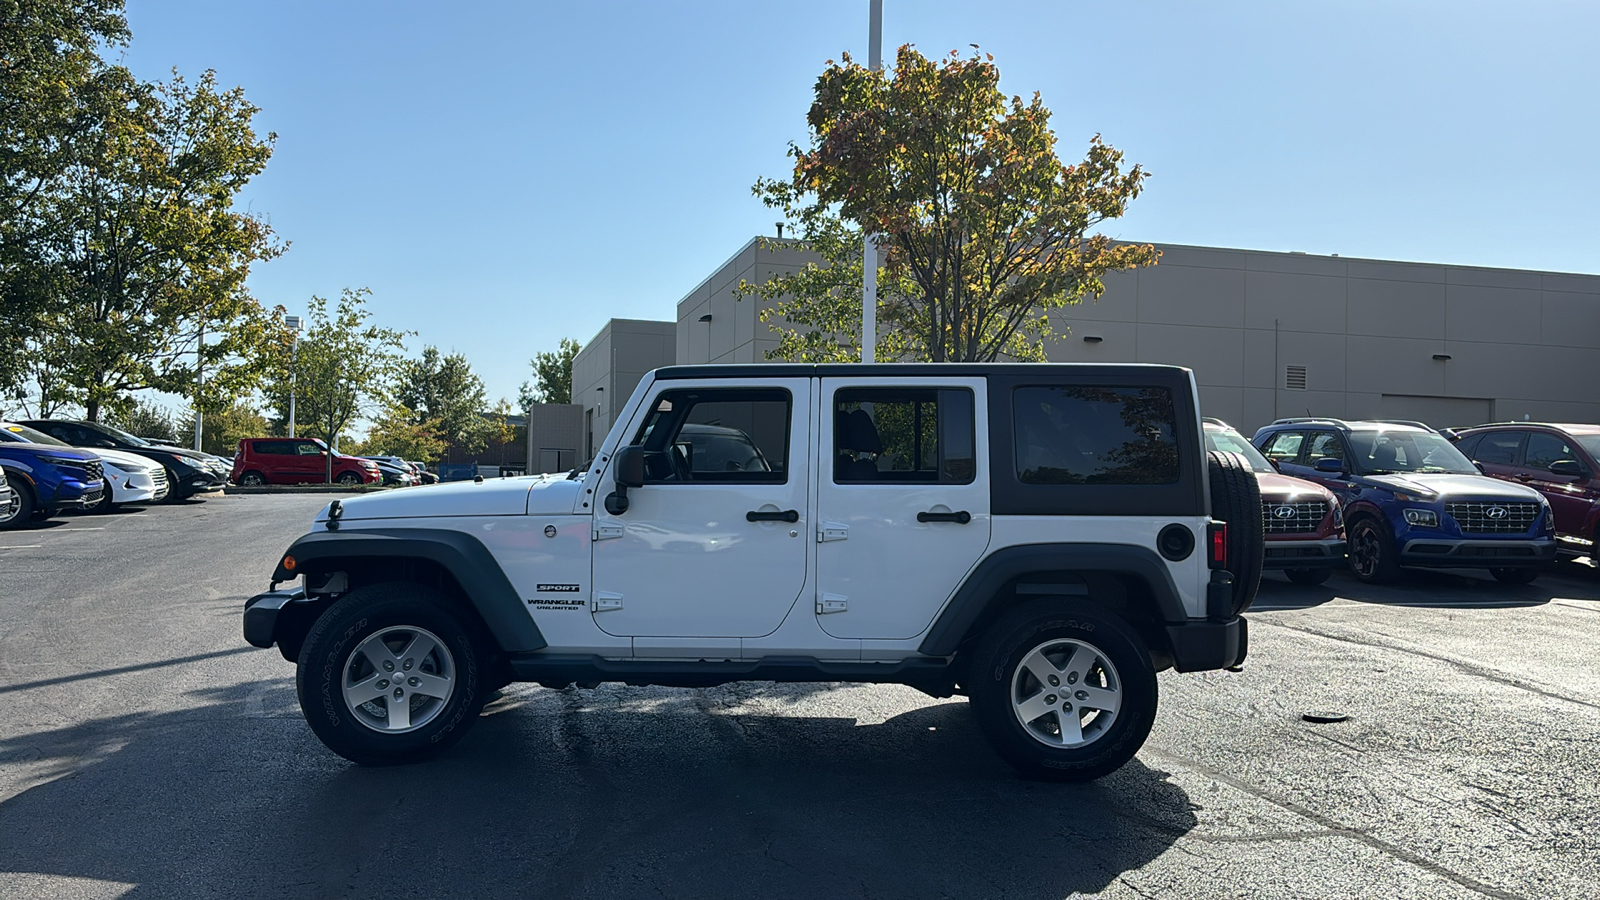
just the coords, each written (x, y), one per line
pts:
(1040, 538)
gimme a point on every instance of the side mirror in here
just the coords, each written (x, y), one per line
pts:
(1568, 467)
(1329, 465)
(628, 472)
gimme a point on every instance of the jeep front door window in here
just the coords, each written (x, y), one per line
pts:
(710, 548)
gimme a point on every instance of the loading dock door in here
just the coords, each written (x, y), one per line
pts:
(1440, 412)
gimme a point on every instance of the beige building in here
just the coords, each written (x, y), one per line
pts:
(1281, 334)
(1267, 334)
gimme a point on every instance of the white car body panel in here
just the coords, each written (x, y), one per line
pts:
(130, 475)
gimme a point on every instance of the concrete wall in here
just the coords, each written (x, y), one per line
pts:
(735, 332)
(555, 437)
(611, 365)
(1365, 331)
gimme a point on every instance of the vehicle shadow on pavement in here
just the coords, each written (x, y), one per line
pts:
(602, 793)
(1437, 588)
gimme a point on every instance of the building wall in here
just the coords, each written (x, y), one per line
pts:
(611, 365)
(1365, 332)
(555, 437)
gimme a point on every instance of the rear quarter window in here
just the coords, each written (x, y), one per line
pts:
(1093, 435)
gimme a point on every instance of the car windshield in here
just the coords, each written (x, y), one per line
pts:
(1234, 441)
(22, 434)
(1387, 452)
(1589, 442)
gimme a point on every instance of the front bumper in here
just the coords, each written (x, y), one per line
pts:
(261, 615)
(197, 481)
(1201, 645)
(1469, 554)
(1314, 554)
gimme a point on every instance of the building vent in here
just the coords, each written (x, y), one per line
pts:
(1295, 378)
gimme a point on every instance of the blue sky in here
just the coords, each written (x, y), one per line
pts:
(502, 175)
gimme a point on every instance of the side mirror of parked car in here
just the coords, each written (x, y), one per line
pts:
(1569, 467)
(1330, 465)
(628, 469)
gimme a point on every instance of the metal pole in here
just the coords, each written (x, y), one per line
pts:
(199, 382)
(294, 359)
(869, 250)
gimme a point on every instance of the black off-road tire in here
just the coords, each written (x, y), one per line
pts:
(331, 646)
(1515, 575)
(1011, 639)
(25, 506)
(1236, 499)
(1384, 565)
(1308, 577)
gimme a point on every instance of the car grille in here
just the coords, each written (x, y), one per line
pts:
(1481, 517)
(92, 470)
(1303, 516)
(158, 475)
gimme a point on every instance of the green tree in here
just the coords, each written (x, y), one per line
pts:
(502, 433)
(49, 64)
(396, 432)
(137, 260)
(150, 420)
(983, 230)
(222, 429)
(552, 376)
(344, 369)
(443, 393)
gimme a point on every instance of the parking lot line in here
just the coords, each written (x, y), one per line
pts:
(23, 547)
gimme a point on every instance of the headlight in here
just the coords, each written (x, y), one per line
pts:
(1338, 515)
(1423, 518)
(1549, 517)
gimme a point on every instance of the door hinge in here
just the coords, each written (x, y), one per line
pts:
(832, 531)
(832, 603)
(607, 532)
(605, 600)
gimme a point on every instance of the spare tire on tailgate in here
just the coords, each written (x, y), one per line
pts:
(1236, 499)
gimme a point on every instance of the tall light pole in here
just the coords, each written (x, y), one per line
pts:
(869, 250)
(293, 324)
(199, 382)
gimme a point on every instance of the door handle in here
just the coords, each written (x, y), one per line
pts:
(786, 515)
(960, 517)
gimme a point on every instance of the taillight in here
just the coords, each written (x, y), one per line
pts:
(1217, 542)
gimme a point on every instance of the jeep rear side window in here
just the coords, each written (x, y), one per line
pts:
(903, 435)
(717, 436)
(1095, 435)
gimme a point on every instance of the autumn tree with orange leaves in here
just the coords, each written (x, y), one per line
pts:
(982, 229)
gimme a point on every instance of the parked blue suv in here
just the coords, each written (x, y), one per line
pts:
(46, 475)
(1411, 499)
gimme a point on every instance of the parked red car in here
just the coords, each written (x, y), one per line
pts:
(297, 461)
(1304, 526)
(1562, 462)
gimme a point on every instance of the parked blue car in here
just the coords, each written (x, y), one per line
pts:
(46, 476)
(1411, 499)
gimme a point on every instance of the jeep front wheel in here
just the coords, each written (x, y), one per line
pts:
(1062, 692)
(388, 675)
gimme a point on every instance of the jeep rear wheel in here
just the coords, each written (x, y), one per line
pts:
(1236, 499)
(388, 675)
(1063, 692)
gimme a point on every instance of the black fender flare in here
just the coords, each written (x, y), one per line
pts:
(465, 557)
(1006, 565)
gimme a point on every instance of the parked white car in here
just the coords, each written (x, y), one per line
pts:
(131, 478)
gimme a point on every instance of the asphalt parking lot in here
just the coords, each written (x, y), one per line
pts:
(145, 751)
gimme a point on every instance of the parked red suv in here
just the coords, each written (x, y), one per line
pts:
(297, 461)
(1304, 526)
(1559, 461)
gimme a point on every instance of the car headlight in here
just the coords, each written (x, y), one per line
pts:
(1423, 518)
(1338, 515)
(1549, 518)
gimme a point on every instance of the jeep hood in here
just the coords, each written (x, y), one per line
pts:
(529, 495)
(1450, 487)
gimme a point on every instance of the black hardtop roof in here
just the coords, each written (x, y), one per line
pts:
(902, 370)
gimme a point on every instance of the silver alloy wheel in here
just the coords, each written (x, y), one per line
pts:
(251, 479)
(1066, 693)
(349, 478)
(398, 679)
(14, 508)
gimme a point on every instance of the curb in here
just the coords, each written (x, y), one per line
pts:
(305, 489)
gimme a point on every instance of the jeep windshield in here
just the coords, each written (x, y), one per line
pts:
(1420, 452)
(1234, 442)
